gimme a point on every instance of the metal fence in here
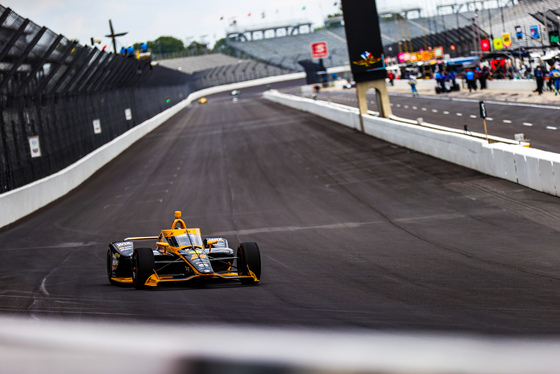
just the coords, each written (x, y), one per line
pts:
(60, 100)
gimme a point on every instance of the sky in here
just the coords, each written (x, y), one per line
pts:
(188, 20)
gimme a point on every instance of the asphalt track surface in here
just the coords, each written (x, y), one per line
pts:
(539, 122)
(355, 233)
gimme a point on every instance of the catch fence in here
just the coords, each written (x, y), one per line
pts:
(60, 100)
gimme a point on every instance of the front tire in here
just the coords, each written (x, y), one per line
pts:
(110, 267)
(249, 258)
(142, 266)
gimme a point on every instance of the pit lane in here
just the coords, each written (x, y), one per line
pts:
(354, 233)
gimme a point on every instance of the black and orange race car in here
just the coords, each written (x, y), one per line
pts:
(181, 255)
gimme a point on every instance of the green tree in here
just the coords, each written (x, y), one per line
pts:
(196, 49)
(164, 45)
(221, 46)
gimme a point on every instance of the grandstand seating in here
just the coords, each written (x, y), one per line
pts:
(527, 13)
(284, 52)
(241, 70)
(197, 63)
(443, 30)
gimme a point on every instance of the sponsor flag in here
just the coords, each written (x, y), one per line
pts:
(319, 50)
(485, 44)
(534, 31)
(498, 43)
(554, 36)
(519, 32)
(506, 38)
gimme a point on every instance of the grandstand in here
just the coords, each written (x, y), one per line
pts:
(286, 51)
(251, 33)
(218, 69)
(458, 25)
(193, 64)
(241, 70)
(457, 28)
(530, 13)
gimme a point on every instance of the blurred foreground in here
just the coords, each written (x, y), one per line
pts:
(49, 346)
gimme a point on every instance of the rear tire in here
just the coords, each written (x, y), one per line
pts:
(142, 266)
(249, 258)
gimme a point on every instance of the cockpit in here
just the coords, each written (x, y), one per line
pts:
(184, 240)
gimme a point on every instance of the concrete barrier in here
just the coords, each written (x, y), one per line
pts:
(23, 201)
(512, 84)
(86, 347)
(501, 158)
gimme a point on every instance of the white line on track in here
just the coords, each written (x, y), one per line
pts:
(473, 116)
(43, 288)
(551, 128)
(489, 118)
(424, 109)
(527, 124)
(445, 112)
(459, 114)
(434, 110)
(489, 102)
(507, 121)
(414, 107)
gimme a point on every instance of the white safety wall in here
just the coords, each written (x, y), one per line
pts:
(25, 200)
(533, 168)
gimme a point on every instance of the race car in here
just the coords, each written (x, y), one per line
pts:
(180, 255)
(202, 100)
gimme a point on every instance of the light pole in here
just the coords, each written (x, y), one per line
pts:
(113, 36)
(475, 23)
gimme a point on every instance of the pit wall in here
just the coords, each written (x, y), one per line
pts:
(25, 200)
(501, 158)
